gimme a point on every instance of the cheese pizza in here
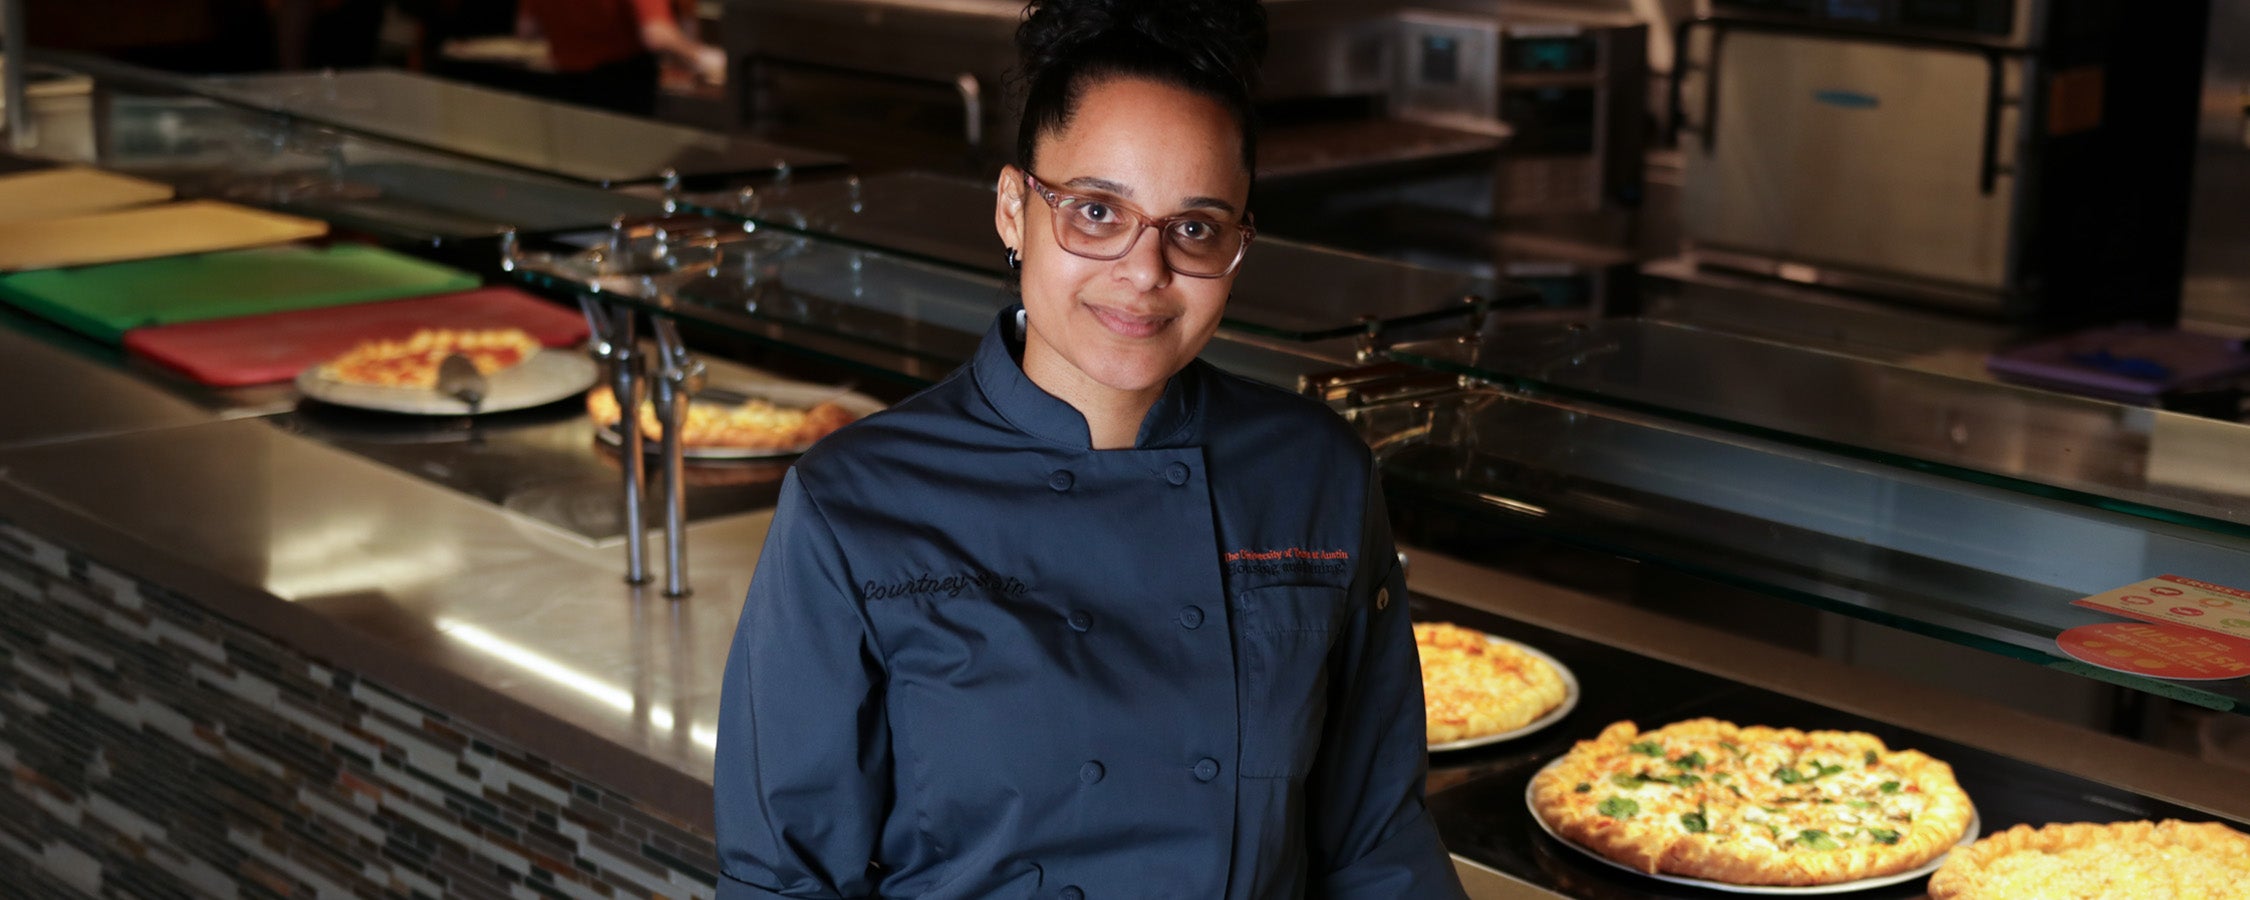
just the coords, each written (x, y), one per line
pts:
(2167, 860)
(1474, 686)
(1740, 805)
(755, 425)
(413, 362)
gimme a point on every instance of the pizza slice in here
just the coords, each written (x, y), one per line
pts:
(412, 362)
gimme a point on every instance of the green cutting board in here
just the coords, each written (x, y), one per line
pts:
(103, 302)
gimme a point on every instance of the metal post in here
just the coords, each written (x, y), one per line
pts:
(612, 344)
(625, 378)
(16, 46)
(677, 378)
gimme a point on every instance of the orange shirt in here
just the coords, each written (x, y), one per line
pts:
(583, 34)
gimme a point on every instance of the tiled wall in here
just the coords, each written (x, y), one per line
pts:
(153, 749)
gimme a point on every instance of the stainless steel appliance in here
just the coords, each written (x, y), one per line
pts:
(2008, 157)
(1568, 90)
(935, 78)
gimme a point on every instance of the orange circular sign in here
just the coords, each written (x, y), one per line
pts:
(2159, 650)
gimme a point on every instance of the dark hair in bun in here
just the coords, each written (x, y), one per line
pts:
(1209, 47)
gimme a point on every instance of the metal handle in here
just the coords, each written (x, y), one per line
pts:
(1674, 114)
(1996, 86)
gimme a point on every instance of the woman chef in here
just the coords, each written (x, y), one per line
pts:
(1089, 618)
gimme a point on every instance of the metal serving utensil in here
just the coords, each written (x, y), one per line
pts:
(457, 377)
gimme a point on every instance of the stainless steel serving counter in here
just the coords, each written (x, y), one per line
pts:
(526, 630)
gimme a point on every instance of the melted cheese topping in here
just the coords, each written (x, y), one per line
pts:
(413, 362)
(1752, 805)
(2117, 861)
(1819, 792)
(1473, 685)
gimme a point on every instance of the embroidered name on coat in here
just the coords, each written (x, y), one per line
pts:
(947, 585)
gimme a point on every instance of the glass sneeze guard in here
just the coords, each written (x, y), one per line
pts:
(885, 315)
(1286, 290)
(1969, 563)
(588, 145)
(2159, 465)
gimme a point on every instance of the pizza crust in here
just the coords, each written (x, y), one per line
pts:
(2169, 860)
(1851, 808)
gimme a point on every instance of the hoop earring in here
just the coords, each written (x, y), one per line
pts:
(1014, 262)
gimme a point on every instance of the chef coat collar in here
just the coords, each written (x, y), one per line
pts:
(1028, 407)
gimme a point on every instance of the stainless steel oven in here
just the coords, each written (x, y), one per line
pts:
(1965, 153)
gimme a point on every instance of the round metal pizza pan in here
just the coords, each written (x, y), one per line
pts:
(547, 376)
(780, 393)
(1569, 702)
(1976, 826)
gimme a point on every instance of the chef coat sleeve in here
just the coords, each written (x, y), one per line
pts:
(1371, 835)
(802, 773)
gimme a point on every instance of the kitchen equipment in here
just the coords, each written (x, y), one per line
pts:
(886, 71)
(102, 302)
(259, 349)
(169, 229)
(1971, 154)
(72, 190)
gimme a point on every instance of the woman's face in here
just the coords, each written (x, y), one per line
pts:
(1125, 324)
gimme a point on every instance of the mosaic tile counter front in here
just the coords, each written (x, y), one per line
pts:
(154, 749)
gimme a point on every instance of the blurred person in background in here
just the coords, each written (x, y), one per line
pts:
(611, 53)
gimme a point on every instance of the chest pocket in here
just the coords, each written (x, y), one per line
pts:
(1286, 632)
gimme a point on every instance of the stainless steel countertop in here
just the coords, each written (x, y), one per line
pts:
(60, 396)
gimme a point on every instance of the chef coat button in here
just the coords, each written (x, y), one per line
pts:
(1070, 893)
(1081, 620)
(1191, 617)
(1206, 769)
(1060, 480)
(1090, 772)
(1382, 598)
(1176, 473)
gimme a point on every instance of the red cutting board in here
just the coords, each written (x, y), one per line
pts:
(276, 346)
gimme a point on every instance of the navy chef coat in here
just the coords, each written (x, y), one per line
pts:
(982, 660)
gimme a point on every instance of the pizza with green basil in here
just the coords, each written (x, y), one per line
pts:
(1753, 805)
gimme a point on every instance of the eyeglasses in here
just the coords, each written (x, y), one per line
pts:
(1195, 244)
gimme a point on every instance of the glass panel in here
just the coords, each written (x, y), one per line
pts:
(207, 148)
(1286, 289)
(2163, 465)
(889, 316)
(543, 136)
(1972, 564)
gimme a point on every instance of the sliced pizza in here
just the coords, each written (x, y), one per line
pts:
(412, 362)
